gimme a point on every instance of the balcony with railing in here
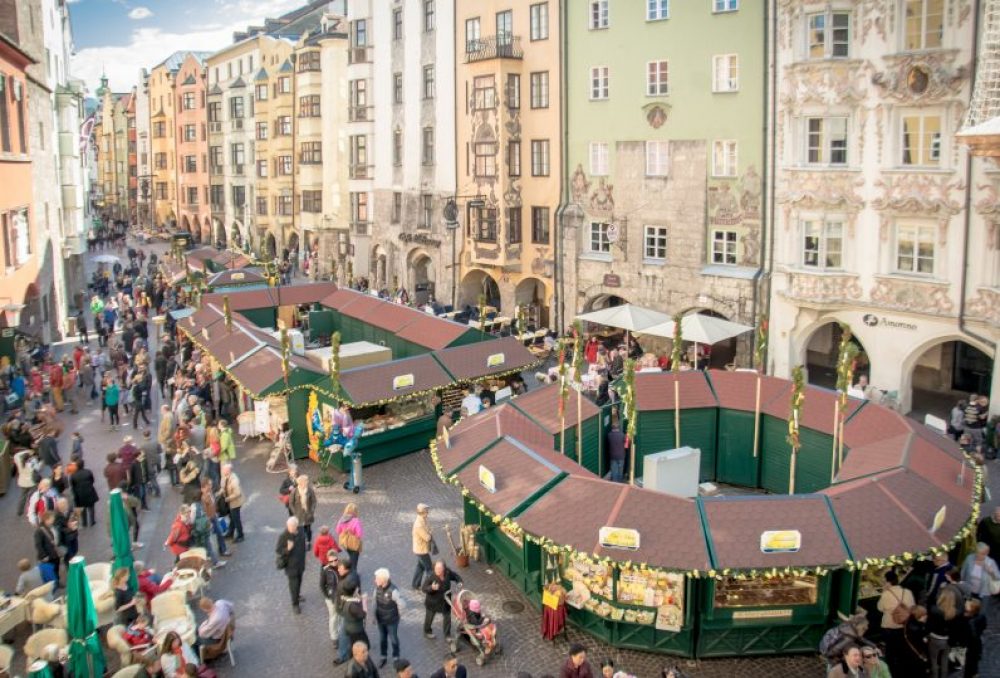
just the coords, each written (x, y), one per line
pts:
(502, 46)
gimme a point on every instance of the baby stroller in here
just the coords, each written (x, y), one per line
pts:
(473, 625)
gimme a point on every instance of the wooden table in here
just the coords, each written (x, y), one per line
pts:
(13, 615)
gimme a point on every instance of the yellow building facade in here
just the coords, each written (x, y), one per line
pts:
(508, 129)
(162, 127)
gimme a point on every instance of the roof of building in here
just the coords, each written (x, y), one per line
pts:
(484, 358)
(655, 390)
(174, 62)
(542, 405)
(393, 379)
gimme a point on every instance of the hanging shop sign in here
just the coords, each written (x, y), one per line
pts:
(619, 538)
(487, 479)
(780, 541)
(612, 280)
(402, 381)
(495, 360)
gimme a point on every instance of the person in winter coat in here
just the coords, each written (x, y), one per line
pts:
(45, 543)
(27, 466)
(348, 587)
(48, 453)
(291, 557)
(329, 577)
(352, 611)
(111, 398)
(303, 505)
(42, 500)
(226, 442)
(388, 606)
(422, 540)
(851, 664)
(84, 493)
(576, 665)
(114, 472)
(361, 665)
(450, 668)
(67, 528)
(231, 490)
(180, 534)
(325, 543)
(286, 487)
(350, 533)
(435, 586)
(980, 571)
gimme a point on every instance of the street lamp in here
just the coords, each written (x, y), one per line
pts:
(450, 213)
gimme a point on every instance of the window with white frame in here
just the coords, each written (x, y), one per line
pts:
(657, 81)
(724, 158)
(924, 24)
(657, 158)
(655, 243)
(725, 5)
(725, 73)
(724, 246)
(540, 157)
(915, 248)
(472, 34)
(597, 241)
(539, 21)
(599, 158)
(599, 14)
(823, 243)
(920, 139)
(599, 82)
(657, 10)
(540, 89)
(828, 35)
(826, 141)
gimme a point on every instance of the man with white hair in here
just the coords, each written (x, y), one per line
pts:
(291, 557)
(389, 606)
(233, 494)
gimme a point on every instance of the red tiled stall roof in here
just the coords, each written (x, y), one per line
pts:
(259, 371)
(387, 316)
(872, 423)
(574, 511)
(655, 390)
(245, 300)
(938, 467)
(818, 408)
(236, 276)
(374, 382)
(229, 346)
(879, 455)
(471, 434)
(542, 405)
(295, 295)
(338, 299)
(736, 525)
(924, 499)
(230, 259)
(471, 361)
(738, 390)
(875, 523)
(432, 332)
(288, 295)
(519, 472)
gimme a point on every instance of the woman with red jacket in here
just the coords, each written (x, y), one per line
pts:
(180, 534)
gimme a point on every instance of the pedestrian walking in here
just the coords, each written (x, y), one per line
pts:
(324, 544)
(111, 398)
(616, 452)
(84, 493)
(81, 327)
(435, 586)
(423, 545)
(27, 464)
(329, 577)
(46, 550)
(227, 444)
(350, 533)
(348, 585)
(388, 607)
(361, 665)
(450, 668)
(233, 494)
(287, 486)
(291, 557)
(180, 533)
(303, 505)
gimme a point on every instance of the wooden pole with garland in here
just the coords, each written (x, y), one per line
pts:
(482, 312)
(227, 312)
(675, 367)
(284, 350)
(859, 565)
(845, 339)
(629, 413)
(798, 396)
(335, 362)
(578, 385)
(760, 348)
(563, 393)
(522, 320)
(850, 362)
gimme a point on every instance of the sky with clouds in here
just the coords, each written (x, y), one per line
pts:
(120, 37)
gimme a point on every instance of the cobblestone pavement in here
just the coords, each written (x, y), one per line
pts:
(272, 641)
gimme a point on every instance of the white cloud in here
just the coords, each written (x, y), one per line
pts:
(148, 45)
(140, 13)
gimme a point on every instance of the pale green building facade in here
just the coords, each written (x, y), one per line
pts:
(665, 118)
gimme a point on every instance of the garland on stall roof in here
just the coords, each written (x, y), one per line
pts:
(482, 312)
(628, 402)
(552, 548)
(675, 350)
(284, 352)
(563, 385)
(760, 347)
(335, 362)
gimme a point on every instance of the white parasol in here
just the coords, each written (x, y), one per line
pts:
(700, 329)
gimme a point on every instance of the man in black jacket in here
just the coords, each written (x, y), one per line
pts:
(48, 453)
(435, 586)
(291, 556)
(348, 584)
(328, 580)
(45, 543)
(361, 665)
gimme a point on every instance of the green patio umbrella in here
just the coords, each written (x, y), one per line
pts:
(86, 658)
(121, 540)
(39, 669)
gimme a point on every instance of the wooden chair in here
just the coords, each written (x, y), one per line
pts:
(116, 642)
(170, 608)
(41, 612)
(6, 657)
(98, 572)
(224, 646)
(34, 647)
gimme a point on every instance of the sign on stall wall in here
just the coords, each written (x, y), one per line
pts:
(487, 479)
(261, 416)
(402, 381)
(619, 538)
(495, 360)
(780, 541)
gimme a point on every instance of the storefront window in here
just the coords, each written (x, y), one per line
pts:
(394, 414)
(587, 577)
(661, 590)
(781, 591)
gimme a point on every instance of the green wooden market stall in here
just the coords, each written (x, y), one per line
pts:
(738, 574)
(542, 406)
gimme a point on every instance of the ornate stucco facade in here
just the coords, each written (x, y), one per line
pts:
(882, 219)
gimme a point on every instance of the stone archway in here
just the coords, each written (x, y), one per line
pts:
(600, 301)
(220, 235)
(420, 276)
(478, 282)
(270, 246)
(821, 355)
(235, 234)
(942, 371)
(186, 226)
(531, 294)
(379, 269)
(207, 234)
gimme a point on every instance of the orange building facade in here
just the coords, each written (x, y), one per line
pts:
(191, 135)
(19, 292)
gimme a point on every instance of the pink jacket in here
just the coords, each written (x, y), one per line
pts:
(352, 525)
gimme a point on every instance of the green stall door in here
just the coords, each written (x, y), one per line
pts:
(655, 433)
(812, 467)
(321, 324)
(737, 464)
